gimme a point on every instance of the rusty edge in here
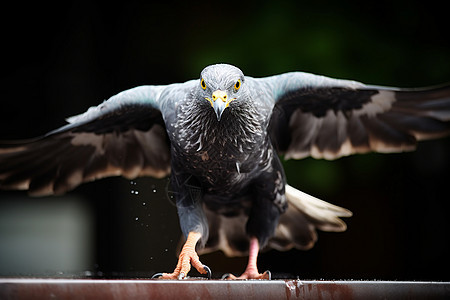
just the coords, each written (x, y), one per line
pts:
(23, 288)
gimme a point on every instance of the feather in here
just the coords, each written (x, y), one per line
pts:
(333, 118)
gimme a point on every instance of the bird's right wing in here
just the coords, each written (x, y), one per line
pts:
(124, 135)
(328, 118)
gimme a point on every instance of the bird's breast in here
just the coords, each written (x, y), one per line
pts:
(225, 167)
(221, 154)
(219, 167)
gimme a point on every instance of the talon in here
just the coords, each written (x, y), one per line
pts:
(181, 276)
(187, 257)
(251, 272)
(208, 271)
(157, 275)
(266, 275)
(248, 275)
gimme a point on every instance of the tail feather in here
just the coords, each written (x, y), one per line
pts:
(305, 213)
(324, 215)
(296, 228)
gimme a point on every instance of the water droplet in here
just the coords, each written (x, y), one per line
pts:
(143, 203)
(165, 250)
(136, 192)
(154, 190)
(137, 218)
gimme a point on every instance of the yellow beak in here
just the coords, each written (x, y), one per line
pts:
(220, 95)
(219, 102)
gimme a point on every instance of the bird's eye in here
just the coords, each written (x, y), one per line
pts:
(237, 85)
(203, 84)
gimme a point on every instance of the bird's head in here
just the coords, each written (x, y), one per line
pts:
(221, 85)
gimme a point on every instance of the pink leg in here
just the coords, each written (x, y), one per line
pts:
(251, 272)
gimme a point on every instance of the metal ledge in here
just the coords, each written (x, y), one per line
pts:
(218, 289)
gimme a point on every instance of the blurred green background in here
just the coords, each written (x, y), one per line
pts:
(59, 59)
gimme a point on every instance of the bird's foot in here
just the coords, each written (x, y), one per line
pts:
(249, 274)
(182, 275)
(187, 257)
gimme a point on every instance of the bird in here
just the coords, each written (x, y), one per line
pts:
(220, 138)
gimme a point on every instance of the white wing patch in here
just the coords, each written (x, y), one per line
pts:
(379, 103)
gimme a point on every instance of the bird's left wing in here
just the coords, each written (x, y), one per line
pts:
(124, 135)
(328, 118)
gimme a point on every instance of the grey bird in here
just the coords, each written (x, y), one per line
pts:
(219, 138)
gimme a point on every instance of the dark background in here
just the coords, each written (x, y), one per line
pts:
(57, 60)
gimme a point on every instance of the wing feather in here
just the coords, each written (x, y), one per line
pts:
(329, 118)
(125, 135)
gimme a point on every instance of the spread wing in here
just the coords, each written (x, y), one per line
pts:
(125, 135)
(329, 118)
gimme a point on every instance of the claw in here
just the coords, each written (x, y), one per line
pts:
(187, 258)
(208, 271)
(267, 275)
(157, 275)
(251, 272)
(249, 275)
(181, 276)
